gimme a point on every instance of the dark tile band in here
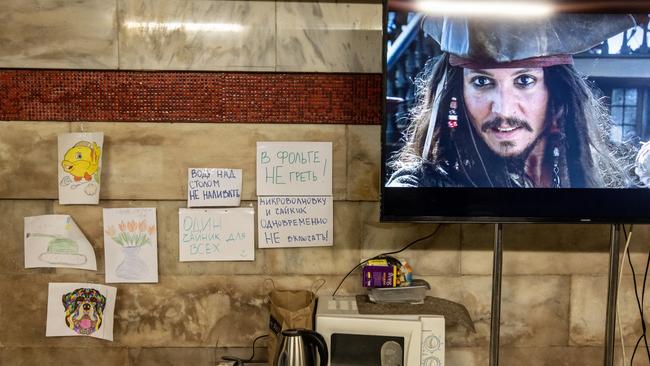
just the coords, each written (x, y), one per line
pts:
(219, 97)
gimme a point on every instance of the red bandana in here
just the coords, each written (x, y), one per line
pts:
(533, 62)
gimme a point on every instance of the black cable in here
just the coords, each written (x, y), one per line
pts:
(639, 302)
(239, 361)
(385, 254)
(636, 346)
(636, 292)
(255, 341)
(645, 277)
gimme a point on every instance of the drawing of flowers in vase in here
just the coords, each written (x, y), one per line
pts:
(132, 236)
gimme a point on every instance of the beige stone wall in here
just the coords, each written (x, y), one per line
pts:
(555, 278)
(553, 289)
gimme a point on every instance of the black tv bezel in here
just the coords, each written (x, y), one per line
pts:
(507, 205)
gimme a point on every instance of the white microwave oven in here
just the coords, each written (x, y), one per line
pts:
(355, 339)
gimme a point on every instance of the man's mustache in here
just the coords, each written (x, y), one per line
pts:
(510, 121)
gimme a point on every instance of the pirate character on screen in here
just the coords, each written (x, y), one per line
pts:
(503, 106)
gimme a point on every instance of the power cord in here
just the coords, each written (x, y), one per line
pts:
(639, 302)
(239, 361)
(645, 277)
(385, 254)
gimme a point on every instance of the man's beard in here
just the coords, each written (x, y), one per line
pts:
(519, 160)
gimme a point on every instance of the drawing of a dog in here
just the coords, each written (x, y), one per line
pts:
(84, 309)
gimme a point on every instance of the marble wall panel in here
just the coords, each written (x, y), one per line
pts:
(546, 248)
(55, 356)
(193, 35)
(197, 35)
(329, 37)
(28, 164)
(364, 163)
(439, 254)
(150, 160)
(589, 306)
(534, 309)
(12, 240)
(58, 34)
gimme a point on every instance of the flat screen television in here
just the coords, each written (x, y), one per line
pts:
(507, 114)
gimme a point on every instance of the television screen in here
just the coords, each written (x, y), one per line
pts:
(507, 114)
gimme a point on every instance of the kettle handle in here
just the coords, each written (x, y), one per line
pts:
(317, 340)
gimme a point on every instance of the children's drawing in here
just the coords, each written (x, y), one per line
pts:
(130, 245)
(56, 241)
(80, 167)
(131, 236)
(84, 310)
(82, 161)
(60, 250)
(80, 309)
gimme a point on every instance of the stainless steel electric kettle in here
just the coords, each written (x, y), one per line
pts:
(298, 348)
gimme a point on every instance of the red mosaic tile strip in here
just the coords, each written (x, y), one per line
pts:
(65, 95)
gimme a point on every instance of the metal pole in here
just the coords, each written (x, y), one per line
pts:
(612, 290)
(496, 295)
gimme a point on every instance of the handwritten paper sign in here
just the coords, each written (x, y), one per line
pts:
(57, 241)
(216, 234)
(80, 167)
(213, 187)
(80, 309)
(294, 221)
(294, 168)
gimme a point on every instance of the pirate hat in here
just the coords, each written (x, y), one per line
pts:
(491, 42)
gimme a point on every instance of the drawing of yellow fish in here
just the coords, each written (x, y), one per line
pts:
(82, 160)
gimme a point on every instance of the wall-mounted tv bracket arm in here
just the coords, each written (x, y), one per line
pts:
(612, 290)
(497, 266)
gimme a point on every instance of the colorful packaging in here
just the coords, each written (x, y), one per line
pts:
(405, 274)
(379, 276)
(377, 262)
